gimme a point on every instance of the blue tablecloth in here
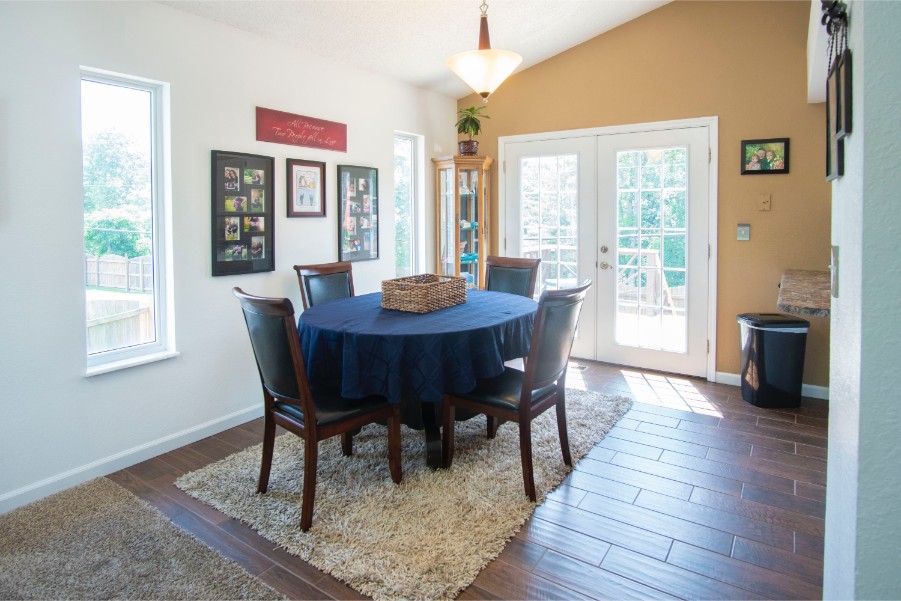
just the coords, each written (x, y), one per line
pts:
(414, 356)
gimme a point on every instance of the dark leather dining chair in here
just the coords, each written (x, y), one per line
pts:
(512, 274)
(521, 396)
(314, 414)
(325, 282)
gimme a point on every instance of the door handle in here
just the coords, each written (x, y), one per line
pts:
(605, 265)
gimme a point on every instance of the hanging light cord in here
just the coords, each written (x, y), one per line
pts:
(835, 19)
(484, 39)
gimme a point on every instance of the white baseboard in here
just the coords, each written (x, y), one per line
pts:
(107, 465)
(808, 390)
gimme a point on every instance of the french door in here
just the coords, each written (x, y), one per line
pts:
(631, 211)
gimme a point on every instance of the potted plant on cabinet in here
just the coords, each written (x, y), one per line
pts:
(469, 123)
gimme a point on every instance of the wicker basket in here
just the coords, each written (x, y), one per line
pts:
(423, 293)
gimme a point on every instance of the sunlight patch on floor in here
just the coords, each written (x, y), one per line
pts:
(668, 391)
(574, 375)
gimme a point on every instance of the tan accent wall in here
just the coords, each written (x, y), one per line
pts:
(744, 62)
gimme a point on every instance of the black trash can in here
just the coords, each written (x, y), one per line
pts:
(772, 358)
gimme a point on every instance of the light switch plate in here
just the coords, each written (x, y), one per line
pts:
(744, 231)
(833, 273)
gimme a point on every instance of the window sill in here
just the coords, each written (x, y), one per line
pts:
(103, 368)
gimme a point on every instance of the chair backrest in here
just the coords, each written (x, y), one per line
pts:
(276, 346)
(325, 282)
(512, 274)
(552, 337)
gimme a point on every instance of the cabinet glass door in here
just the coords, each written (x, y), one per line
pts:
(447, 222)
(462, 193)
(469, 226)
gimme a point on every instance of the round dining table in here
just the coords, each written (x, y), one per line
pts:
(412, 358)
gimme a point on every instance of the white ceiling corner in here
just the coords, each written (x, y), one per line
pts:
(817, 51)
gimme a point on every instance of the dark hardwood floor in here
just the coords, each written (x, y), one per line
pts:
(695, 494)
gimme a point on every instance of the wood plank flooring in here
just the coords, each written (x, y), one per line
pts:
(695, 494)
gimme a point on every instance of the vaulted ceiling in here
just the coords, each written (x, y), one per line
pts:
(409, 40)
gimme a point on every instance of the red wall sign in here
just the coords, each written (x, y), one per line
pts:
(287, 128)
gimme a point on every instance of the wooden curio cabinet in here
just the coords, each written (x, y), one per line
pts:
(462, 193)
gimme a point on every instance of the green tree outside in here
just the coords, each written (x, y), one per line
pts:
(403, 207)
(116, 189)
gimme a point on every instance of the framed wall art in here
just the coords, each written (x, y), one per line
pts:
(835, 146)
(242, 220)
(306, 188)
(358, 223)
(760, 157)
(844, 95)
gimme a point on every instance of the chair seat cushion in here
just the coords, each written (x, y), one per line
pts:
(504, 391)
(332, 407)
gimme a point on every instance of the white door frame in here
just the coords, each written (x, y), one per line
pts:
(712, 124)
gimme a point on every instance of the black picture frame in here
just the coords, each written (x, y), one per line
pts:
(835, 147)
(358, 220)
(768, 156)
(305, 185)
(242, 223)
(844, 93)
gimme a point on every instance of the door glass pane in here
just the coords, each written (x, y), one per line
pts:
(651, 254)
(549, 194)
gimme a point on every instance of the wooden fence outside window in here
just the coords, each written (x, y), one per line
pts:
(114, 271)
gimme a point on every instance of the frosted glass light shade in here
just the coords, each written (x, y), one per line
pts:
(484, 70)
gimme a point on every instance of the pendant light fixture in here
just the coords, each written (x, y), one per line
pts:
(484, 69)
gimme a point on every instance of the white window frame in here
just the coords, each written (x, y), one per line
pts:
(417, 186)
(161, 206)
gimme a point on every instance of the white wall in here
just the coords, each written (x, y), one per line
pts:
(58, 427)
(863, 514)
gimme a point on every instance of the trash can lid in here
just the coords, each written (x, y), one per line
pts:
(772, 320)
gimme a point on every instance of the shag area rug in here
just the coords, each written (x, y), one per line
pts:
(426, 538)
(99, 541)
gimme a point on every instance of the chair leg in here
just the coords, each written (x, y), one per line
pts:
(561, 427)
(525, 452)
(394, 462)
(492, 426)
(268, 447)
(311, 459)
(347, 443)
(447, 435)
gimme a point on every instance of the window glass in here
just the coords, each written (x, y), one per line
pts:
(122, 218)
(404, 205)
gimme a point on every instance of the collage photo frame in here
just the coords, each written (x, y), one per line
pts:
(358, 223)
(242, 220)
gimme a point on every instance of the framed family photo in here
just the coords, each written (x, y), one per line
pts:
(358, 224)
(759, 157)
(306, 188)
(242, 220)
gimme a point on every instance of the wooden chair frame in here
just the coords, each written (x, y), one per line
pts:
(529, 407)
(308, 428)
(516, 263)
(304, 271)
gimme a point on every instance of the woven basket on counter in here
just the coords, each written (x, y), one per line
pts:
(423, 293)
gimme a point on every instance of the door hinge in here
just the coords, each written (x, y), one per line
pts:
(708, 347)
(504, 166)
(708, 251)
(709, 155)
